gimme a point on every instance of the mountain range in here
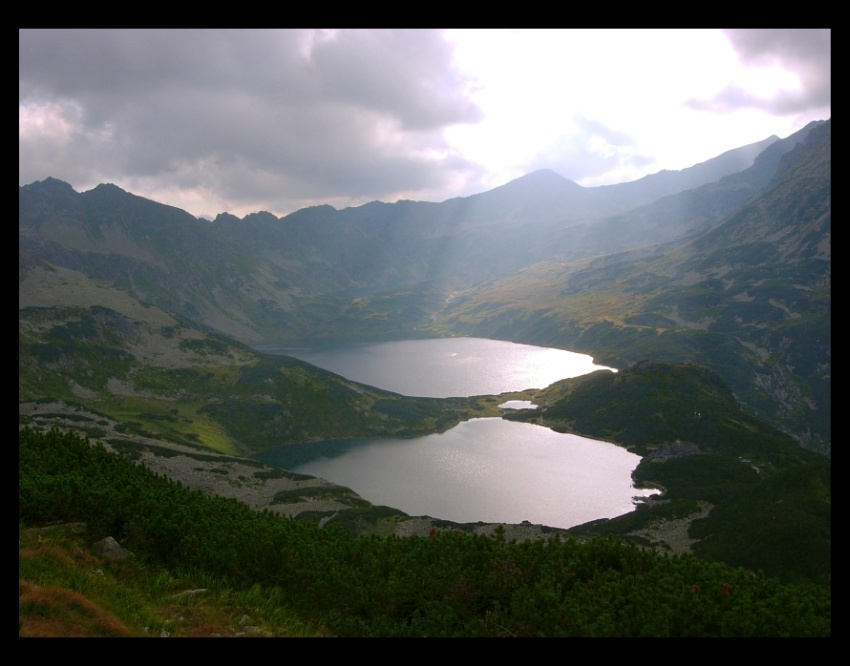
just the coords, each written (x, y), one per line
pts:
(726, 263)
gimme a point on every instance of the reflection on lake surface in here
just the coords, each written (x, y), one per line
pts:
(446, 367)
(488, 470)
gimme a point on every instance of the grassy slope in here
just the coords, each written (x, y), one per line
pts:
(66, 590)
(167, 379)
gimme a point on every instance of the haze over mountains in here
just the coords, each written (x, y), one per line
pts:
(727, 263)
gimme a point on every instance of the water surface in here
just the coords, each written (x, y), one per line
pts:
(446, 367)
(488, 470)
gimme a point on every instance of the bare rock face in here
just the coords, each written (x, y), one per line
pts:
(110, 549)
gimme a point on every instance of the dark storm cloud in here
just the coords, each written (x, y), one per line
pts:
(352, 113)
(804, 52)
(401, 73)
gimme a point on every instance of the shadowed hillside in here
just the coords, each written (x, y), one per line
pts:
(749, 297)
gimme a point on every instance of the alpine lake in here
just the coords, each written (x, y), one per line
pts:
(488, 469)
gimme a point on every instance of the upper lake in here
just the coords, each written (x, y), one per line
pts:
(445, 367)
(488, 470)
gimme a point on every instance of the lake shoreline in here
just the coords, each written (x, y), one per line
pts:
(201, 469)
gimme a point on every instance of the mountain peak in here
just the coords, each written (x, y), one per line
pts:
(108, 187)
(545, 176)
(227, 218)
(544, 173)
(50, 184)
(543, 182)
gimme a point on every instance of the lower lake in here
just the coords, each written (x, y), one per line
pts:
(488, 469)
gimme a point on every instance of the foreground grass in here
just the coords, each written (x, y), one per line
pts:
(65, 590)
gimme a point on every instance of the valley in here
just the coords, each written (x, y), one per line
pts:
(357, 332)
(136, 322)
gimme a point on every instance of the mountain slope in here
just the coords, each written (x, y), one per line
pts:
(534, 261)
(750, 298)
(163, 377)
(754, 497)
(264, 277)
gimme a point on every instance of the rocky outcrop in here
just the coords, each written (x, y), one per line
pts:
(675, 450)
(110, 549)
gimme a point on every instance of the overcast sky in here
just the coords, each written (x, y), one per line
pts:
(248, 120)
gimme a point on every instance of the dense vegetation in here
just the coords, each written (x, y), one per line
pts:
(450, 584)
(770, 497)
(67, 589)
